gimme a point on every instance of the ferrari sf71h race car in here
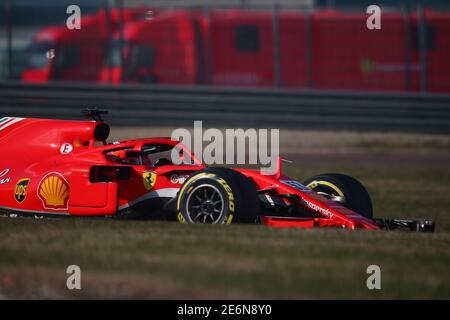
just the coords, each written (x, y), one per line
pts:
(59, 167)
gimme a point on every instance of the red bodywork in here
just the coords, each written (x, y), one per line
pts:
(59, 167)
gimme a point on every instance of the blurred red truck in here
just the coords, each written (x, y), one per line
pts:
(322, 50)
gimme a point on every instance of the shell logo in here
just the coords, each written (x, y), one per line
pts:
(54, 192)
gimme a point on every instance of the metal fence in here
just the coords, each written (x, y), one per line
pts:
(152, 105)
(287, 44)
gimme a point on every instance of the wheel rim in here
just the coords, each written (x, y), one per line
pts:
(205, 204)
(328, 192)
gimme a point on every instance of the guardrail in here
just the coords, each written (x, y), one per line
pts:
(156, 105)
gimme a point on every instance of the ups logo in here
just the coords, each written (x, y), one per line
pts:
(20, 191)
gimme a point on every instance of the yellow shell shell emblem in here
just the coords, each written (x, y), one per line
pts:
(54, 192)
(149, 179)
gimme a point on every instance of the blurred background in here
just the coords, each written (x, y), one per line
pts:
(292, 44)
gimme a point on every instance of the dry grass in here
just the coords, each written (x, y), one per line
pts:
(166, 260)
(407, 176)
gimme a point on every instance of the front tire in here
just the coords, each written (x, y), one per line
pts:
(218, 196)
(344, 189)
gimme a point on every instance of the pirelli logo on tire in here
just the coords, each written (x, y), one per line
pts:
(229, 193)
(180, 217)
(219, 200)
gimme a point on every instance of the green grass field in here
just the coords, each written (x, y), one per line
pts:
(407, 176)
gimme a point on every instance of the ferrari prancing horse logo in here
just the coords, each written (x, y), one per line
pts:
(149, 179)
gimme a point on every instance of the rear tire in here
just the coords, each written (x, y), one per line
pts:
(341, 186)
(218, 196)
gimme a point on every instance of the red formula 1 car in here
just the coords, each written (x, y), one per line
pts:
(57, 167)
